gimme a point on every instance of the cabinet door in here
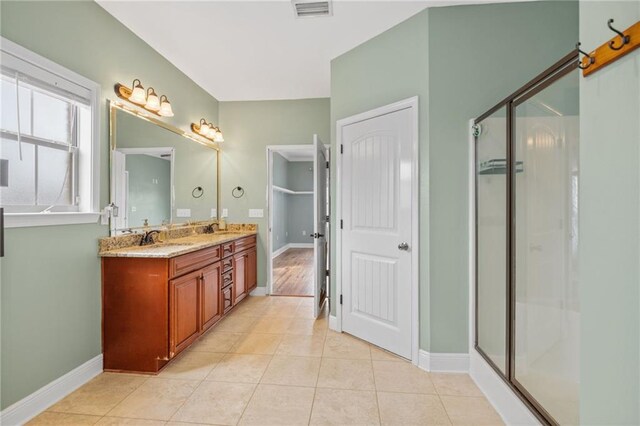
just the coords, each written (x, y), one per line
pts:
(184, 304)
(240, 276)
(210, 295)
(252, 269)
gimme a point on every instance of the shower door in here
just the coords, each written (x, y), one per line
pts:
(546, 306)
(527, 316)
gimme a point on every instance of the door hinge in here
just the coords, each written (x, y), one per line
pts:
(328, 272)
(341, 223)
(327, 164)
(341, 149)
(341, 299)
(327, 219)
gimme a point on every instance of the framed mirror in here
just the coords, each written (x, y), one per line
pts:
(160, 174)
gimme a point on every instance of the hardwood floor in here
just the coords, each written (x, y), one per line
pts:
(293, 273)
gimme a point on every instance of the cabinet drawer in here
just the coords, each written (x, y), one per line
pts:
(227, 299)
(227, 249)
(190, 262)
(227, 264)
(227, 279)
(245, 243)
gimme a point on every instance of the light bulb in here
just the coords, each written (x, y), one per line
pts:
(153, 103)
(218, 136)
(138, 96)
(165, 107)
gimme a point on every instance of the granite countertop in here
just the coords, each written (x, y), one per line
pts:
(177, 246)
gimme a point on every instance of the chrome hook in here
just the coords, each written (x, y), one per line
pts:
(625, 38)
(592, 60)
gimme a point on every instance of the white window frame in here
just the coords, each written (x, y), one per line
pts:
(89, 209)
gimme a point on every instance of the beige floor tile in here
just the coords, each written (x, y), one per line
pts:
(240, 368)
(52, 419)
(394, 376)
(185, 424)
(100, 395)
(216, 341)
(117, 421)
(216, 403)
(281, 311)
(292, 371)
(378, 354)
(279, 301)
(156, 399)
(257, 343)
(344, 407)
(279, 405)
(339, 345)
(463, 410)
(191, 365)
(411, 409)
(236, 324)
(269, 324)
(455, 384)
(301, 345)
(304, 311)
(307, 327)
(355, 374)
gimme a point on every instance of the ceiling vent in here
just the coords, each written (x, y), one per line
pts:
(311, 9)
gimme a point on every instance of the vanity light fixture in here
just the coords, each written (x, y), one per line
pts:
(207, 130)
(153, 103)
(146, 99)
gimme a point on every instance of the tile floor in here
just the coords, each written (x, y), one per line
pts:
(270, 363)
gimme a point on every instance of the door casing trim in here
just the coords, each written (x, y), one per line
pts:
(409, 103)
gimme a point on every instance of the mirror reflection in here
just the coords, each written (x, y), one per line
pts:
(159, 176)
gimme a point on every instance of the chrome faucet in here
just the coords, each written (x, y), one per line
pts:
(147, 238)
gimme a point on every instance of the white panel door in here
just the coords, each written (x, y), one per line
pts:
(320, 212)
(377, 167)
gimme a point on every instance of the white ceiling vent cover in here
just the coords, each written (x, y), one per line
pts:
(311, 9)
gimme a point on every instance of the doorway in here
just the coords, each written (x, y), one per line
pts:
(298, 210)
(378, 235)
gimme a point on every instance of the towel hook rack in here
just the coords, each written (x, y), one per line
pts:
(592, 60)
(625, 38)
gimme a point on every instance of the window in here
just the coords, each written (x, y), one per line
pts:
(48, 141)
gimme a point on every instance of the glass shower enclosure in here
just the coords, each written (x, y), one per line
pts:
(527, 284)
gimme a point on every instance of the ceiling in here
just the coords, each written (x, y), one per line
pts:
(257, 50)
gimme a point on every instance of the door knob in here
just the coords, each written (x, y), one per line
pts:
(403, 246)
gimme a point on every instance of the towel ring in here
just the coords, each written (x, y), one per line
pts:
(237, 192)
(197, 192)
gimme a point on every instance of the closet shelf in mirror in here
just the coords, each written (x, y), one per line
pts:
(289, 191)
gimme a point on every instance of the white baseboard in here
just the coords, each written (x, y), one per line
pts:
(290, 246)
(333, 323)
(259, 291)
(32, 405)
(443, 363)
(512, 410)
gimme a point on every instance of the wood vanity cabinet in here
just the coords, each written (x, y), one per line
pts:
(154, 308)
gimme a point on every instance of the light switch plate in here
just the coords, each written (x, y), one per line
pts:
(183, 212)
(225, 212)
(256, 213)
(214, 212)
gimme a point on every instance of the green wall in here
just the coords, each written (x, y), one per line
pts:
(149, 189)
(249, 127)
(51, 275)
(457, 74)
(388, 68)
(609, 226)
(497, 48)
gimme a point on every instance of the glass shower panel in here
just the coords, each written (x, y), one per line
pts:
(547, 310)
(491, 215)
